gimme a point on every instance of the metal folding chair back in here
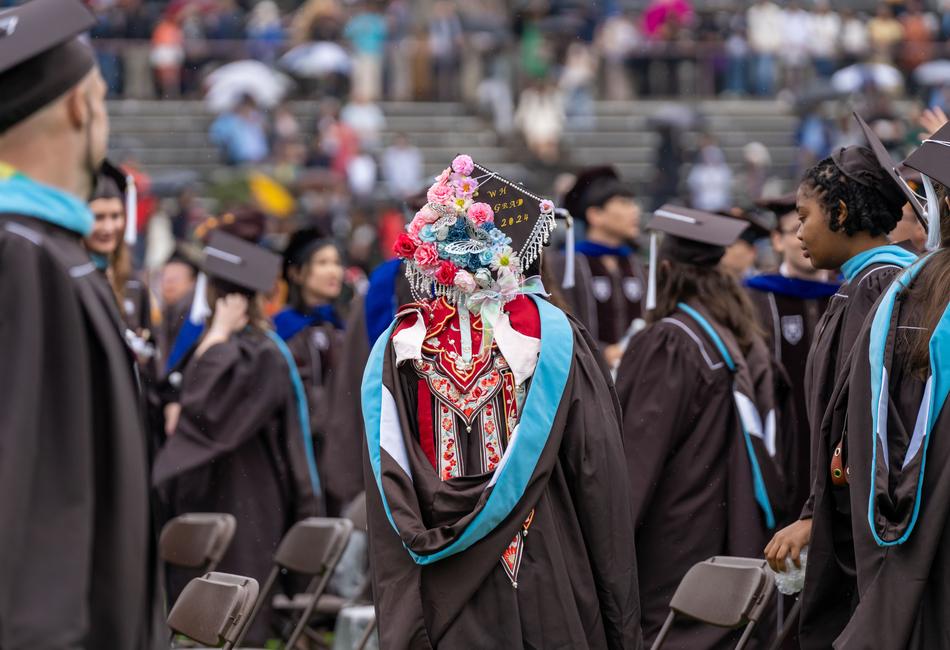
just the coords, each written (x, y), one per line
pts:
(727, 592)
(197, 540)
(214, 609)
(355, 511)
(313, 548)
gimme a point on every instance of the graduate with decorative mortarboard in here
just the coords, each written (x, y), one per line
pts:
(241, 443)
(610, 282)
(78, 566)
(789, 304)
(313, 331)
(847, 205)
(892, 411)
(495, 483)
(699, 430)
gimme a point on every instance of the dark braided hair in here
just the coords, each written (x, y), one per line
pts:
(868, 209)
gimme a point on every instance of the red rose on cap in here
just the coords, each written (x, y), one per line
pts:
(446, 272)
(405, 245)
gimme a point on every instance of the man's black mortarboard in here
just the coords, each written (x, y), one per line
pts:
(240, 262)
(303, 243)
(41, 56)
(113, 182)
(757, 227)
(873, 167)
(593, 186)
(932, 160)
(779, 205)
(692, 237)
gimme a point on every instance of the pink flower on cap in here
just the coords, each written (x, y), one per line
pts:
(415, 225)
(443, 178)
(463, 165)
(427, 214)
(481, 213)
(465, 281)
(426, 255)
(546, 206)
(440, 193)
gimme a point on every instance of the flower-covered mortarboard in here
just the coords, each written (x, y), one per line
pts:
(476, 229)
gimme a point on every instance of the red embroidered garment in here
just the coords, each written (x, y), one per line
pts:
(468, 412)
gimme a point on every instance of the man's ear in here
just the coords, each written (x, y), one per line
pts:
(77, 107)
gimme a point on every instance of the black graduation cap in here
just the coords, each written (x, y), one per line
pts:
(932, 157)
(693, 237)
(517, 211)
(40, 55)
(589, 187)
(757, 225)
(894, 188)
(779, 205)
(303, 243)
(240, 262)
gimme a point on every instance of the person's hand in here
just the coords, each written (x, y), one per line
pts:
(613, 354)
(930, 121)
(172, 413)
(230, 314)
(788, 542)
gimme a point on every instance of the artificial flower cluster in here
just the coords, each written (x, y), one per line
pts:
(453, 239)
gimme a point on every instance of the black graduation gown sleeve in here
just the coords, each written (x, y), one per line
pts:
(76, 554)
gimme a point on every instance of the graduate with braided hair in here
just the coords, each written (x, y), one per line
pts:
(847, 204)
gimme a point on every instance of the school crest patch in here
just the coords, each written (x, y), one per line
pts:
(601, 288)
(793, 328)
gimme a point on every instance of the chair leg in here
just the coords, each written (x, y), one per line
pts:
(661, 637)
(308, 610)
(261, 599)
(791, 621)
(367, 634)
(746, 635)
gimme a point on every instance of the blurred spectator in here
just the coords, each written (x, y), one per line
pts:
(825, 37)
(366, 33)
(361, 175)
(224, 21)
(338, 139)
(737, 62)
(855, 41)
(445, 47)
(618, 39)
(366, 118)
(797, 34)
(402, 167)
(920, 29)
(265, 32)
(663, 17)
(884, 33)
(316, 20)
(241, 135)
(286, 125)
(755, 179)
(540, 116)
(765, 28)
(710, 180)
(668, 160)
(168, 55)
(178, 280)
(577, 85)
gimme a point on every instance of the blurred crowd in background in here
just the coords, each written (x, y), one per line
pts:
(534, 70)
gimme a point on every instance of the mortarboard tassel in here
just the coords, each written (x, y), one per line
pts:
(933, 214)
(651, 278)
(199, 305)
(131, 211)
(568, 282)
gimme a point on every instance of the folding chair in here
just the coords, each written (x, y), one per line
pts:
(313, 548)
(214, 609)
(723, 591)
(197, 540)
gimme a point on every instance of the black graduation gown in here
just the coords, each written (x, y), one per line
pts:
(346, 418)
(317, 352)
(829, 594)
(238, 449)
(690, 476)
(904, 590)
(789, 323)
(607, 302)
(577, 586)
(77, 547)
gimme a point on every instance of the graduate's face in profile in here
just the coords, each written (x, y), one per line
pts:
(619, 218)
(785, 242)
(108, 227)
(823, 247)
(322, 278)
